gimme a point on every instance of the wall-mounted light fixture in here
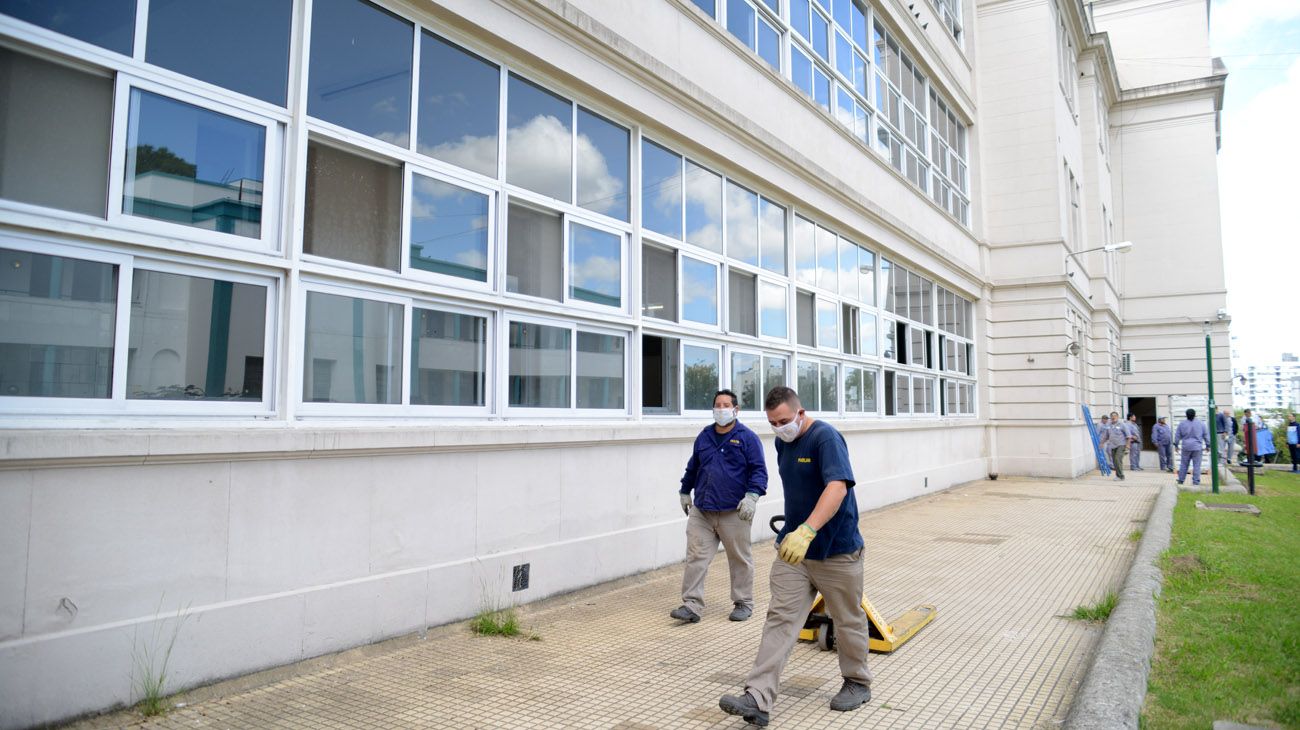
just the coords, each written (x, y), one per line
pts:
(1121, 247)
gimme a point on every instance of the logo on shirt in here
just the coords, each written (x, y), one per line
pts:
(735, 441)
(805, 460)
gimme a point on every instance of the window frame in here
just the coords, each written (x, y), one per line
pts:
(509, 316)
(489, 360)
(405, 270)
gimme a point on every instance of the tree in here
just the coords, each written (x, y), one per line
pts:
(149, 159)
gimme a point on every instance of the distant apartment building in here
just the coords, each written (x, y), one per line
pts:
(1267, 385)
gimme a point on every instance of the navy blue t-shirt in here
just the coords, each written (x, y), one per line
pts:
(807, 465)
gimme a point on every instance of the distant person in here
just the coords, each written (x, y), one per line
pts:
(1223, 429)
(1232, 438)
(1293, 441)
(1134, 442)
(1113, 442)
(1191, 437)
(1163, 438)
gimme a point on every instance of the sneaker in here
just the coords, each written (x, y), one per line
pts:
(682, 613)
(851, 696)
(741, 612)
(745, 706)
(1180, 484)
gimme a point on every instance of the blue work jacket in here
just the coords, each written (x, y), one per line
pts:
(721, 473)
(1161, 434)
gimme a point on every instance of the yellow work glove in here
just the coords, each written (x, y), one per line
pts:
(795, 545)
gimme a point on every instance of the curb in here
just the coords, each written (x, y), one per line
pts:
(1115, 685)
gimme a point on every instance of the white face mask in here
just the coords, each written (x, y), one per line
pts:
(790, 431)
(724, 416)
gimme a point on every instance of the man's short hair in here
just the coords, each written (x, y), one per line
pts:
(1115, 413)
(1191, 413)
(781, 394)
(734, 400)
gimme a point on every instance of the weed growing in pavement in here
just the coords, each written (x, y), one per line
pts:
(149, 661)
(1099, 611)
(1135, 535)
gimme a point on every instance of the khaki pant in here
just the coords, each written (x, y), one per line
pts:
(704, 529)
(839, 578)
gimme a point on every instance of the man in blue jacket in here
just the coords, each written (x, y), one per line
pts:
(1164, 441)
(728, 474)
(1192, 437)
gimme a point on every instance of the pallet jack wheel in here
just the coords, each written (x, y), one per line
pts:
(826, 636)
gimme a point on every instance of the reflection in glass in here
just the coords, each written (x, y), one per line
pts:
(829, 388)
(699, 291)
(705, 5)
(661, 190)
(819, 36)
(742, 224)
(808, 386)
(539, 140)
(195, 339)
(106, 23)
(799, 17)
(827, 266)
(353, 350)
(595, 266)
(869, 403)
(801, 69)
(539, 366)
(460, 105)
(745, 381)
(241, 45)
(805, 317)
(740, 21)
(867, 276)
(771, 224)
(848, 269)
(868, 334)
(773, 373)
(602, 149)
(703, 208)
(769, 44)
(821, 88)
(600, 370)
(805, 251)
(852, 389)
(702, 376)
(194, 167)
(772, 310)
(658, 283)
(827, 331)
(741, 304)
(57, 320)
(353, 208)
(360, 75)
(449, 229)
(534, 252)
(448, 358)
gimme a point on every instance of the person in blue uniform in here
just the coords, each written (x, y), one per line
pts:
(728, 473)
(1163, 438)
(820, 549)
(1114, 437)
(1191, 437)
(1134, 442)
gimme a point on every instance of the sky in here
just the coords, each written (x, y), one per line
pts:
(1259, 173)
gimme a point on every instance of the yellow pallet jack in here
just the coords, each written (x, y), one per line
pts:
(885, 636)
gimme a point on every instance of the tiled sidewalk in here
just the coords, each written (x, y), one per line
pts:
(1004, 561)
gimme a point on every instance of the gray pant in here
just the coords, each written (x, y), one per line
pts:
(1226, 444)
(704, 529)
(1135, 456)
(1166, 456)
(839, 578)
(1117, 460)
(1195, 458)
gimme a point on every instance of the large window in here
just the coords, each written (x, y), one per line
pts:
(354, 206)
(448, 358)
(539, 140)
(595, 266)
(460, 106)
(701, 366)
(106, 23)
(753, 375)
(535, 252)
(353, 350)
(559, 366)
(449, 229)
(603, 157)
(360, 71)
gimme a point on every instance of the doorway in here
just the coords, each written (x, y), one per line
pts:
(1145, 410)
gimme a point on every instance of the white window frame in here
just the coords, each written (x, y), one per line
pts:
(511, 316)
(724, 373)
(405, 270)
(489, 361)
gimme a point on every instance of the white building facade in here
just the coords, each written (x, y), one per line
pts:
(1267, 385)
(329, 320)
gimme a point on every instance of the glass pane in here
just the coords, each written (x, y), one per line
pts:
(869, 401)
(702, 368)
(773, 373)
(460, 106)
(801, 70)
(889, 334)
(829, 388)
(820, 36)
(595, 266)
(805, 318)
(703, 207)
(852, 389)
(799, 17)
(821, 88)
(699, 291)
(353, 208)
(919, 404)
(661, 190)
(106, 23)
(827, 325)
(742, 224)
(771, 229)
(808, 387)
(772, 304)
(705, 5)
(242, 45)
(449, 229)
(868, 334)
(740, 303)
(861, 76)
(848, 269)
(867, 276)
(603, 150)
(600, 370)
(805, 251)
(539, 366)
(539, 140)
(194, 167)
(745, 381)
(919, 341)
(859, 28)
(534, 252)
(843, 106)
(353, 351)
(769, 44)
(659, 375)
(740, 21)
(890, 391)
(903, 392)
(448, 358)
(57, 319)
(827, 261)
(658, 283)
(54, 134)
(195, 339)
(844, 56)
(360, 75)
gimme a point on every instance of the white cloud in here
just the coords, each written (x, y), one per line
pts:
(537, 156)
(599, 190)
(598, 273)
(470, 152)
(1233, 19)
(475, 259)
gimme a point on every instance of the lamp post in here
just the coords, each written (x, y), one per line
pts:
(1122, 247)
(1214, 414)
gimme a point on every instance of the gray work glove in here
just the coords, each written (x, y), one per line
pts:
(686, 502)
(747, 506)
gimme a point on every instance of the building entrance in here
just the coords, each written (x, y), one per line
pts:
(1145, 410)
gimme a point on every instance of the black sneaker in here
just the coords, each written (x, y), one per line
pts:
(745, 706)
(741, 612)
(851, 696)
(682, 613)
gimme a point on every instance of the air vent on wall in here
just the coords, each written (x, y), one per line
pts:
(1126, 363)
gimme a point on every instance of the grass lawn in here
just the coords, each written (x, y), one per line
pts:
(1228, 623)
